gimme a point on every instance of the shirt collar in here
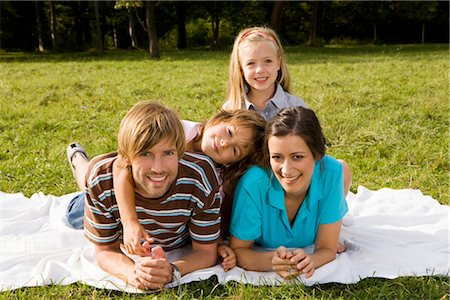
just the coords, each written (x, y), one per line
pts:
(277, 99)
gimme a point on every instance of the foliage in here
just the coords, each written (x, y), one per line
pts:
(396, 21)
(384, 110)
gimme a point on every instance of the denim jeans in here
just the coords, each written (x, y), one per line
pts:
(75, 211)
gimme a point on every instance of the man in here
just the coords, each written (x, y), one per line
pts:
(177, 200)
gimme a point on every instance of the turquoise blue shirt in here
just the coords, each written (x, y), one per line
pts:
(259, 213)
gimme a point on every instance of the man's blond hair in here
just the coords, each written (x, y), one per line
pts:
(146, 124)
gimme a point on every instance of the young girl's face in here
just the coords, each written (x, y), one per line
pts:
(260, 64)
(225, 144)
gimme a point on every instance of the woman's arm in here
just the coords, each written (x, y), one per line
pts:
(327, 239)
(124, 192)
(249, 259)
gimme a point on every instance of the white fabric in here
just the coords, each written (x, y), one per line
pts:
(388, 233)
(190, 129)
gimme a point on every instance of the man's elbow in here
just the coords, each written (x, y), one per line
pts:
(208, 256)
(102, 253)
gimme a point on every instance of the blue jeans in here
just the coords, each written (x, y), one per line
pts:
(75, 212)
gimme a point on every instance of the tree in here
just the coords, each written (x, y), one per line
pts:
(276, 15)
(53, 32)
(215, 9)
(180, 9)
(422, 12)
(313, 32)
(98, 27)
(39, 27)
(131, 7)
(80, 11)
(151, 30)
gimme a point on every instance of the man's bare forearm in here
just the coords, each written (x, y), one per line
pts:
(202, 256)
(112, 260)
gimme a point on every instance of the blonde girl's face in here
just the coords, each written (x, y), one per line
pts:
(260, 64)
(224, 143)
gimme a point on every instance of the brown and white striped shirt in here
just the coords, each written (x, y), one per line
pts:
(190, 209)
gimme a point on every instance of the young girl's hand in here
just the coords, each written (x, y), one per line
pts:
(228, 257)
(133, 233)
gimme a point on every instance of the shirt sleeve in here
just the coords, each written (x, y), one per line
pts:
(246, 216)
(101, 219)
(100, 225)
(204, 226)
(334, 206)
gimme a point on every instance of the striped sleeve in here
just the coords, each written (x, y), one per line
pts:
(101, 214)
(204, 225)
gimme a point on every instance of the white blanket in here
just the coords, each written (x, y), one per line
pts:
(388, 233)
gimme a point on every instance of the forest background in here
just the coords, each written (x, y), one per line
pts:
(161, 25)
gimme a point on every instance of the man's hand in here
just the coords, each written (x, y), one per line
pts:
(154, 271)
(228, 257)
(133, 233)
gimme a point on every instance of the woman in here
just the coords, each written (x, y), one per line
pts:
(294, 199)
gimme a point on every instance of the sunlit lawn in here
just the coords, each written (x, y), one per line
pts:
(384, 110)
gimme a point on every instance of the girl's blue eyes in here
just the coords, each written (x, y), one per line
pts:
(269, 61)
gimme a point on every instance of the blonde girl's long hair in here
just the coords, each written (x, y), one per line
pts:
(236, 82)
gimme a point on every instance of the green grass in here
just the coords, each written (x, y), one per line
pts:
(384, 110)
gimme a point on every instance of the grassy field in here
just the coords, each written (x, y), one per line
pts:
(384, 109)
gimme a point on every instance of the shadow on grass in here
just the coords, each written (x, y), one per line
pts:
(299, 54)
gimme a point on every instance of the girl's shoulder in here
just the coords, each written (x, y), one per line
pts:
(190, 129)
(283, 99)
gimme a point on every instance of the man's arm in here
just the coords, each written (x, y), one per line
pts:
(202, 256)
(150, 272)
(111, 259)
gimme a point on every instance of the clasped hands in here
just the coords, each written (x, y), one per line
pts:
(153, 271)
(292, 263)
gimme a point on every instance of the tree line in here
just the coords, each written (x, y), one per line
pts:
(154, 25)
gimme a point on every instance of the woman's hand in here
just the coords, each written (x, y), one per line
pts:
(303, 262)
(133, 233)
(292, 263)
(227, 256)
(282, 265)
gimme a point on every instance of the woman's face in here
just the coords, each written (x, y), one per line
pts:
(225, 143)
(292, 163)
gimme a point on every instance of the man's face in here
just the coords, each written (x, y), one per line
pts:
(155, 170)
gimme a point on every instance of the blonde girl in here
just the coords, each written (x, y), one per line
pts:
(258, 75)
(259, 79)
